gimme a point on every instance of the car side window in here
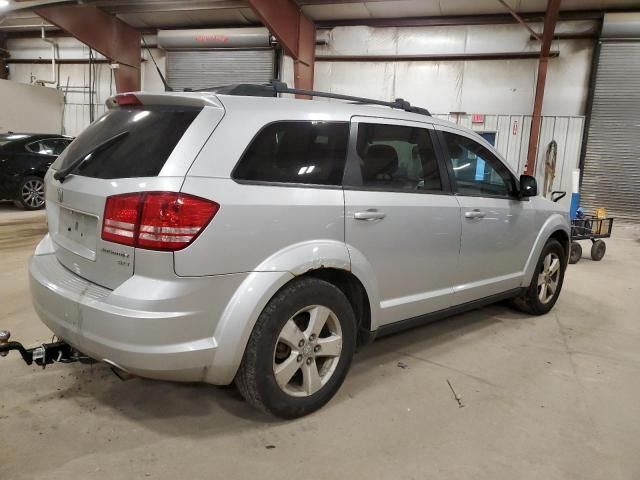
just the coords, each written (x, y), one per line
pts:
(476, 170)
(309, 152)
(397, 158)
(51, 146)
(59, 145)
(39, 147)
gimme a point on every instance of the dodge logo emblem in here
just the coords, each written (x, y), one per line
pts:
(60, 195)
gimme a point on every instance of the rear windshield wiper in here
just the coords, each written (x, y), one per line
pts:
(62, 174)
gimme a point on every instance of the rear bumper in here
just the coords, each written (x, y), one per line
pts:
(154, 328)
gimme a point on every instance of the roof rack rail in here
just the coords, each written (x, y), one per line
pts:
(276, 87)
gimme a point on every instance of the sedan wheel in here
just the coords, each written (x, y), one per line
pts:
(32, 193)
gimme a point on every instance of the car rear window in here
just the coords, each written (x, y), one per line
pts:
(153, 133)
(9, 140)
(309, 152)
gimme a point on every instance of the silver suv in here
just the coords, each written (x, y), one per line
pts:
(239, 238)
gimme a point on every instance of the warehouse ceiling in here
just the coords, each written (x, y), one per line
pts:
(210, 13)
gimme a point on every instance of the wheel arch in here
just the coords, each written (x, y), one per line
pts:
(337, 262)
(328, 260)
(356, 293)
(556, 227)
(563, 237)
(33, 168)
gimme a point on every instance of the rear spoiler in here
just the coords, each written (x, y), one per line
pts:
(181, 99)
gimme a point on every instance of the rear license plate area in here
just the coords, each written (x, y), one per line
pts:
(78, 232)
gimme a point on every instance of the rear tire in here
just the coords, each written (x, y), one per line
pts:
(300, 349)
(30, 194)
(575, 253)
(543, 291)
(598, 250)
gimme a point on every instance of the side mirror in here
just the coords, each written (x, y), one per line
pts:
(528, 186)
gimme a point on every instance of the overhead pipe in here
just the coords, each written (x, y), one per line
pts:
(457, 20)
(108, 35)
(61, 61)
(54, 54)
(437, 57)
(23, 26)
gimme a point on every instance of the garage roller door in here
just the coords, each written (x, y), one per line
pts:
(611, 177)
(213, 68)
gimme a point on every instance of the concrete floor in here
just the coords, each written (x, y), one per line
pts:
(553, 397)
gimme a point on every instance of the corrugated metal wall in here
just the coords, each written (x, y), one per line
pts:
(512, 140)
(611, 177)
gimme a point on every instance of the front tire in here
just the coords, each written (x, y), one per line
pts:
(30, 195)
(300, 349)
(546, 284)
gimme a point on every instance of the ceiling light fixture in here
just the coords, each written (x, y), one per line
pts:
(4, 3)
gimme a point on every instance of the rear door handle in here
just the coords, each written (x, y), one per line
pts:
(475, 213)
(371, 214)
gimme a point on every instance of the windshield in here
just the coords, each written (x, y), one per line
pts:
(153, 133)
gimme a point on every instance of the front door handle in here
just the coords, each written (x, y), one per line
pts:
(371, 214)
(475, 213)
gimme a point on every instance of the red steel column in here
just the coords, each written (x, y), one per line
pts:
(110, 36)
(296, 33)
(550, 20)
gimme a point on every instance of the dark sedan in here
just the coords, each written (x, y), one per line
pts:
(24, 159)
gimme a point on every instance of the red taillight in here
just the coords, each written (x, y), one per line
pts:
(156, 220)
(121, 216)
(127, 99)
(171, 221)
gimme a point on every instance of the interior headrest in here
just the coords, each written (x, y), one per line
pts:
(455, 150)
(294, 140)
(380, 160)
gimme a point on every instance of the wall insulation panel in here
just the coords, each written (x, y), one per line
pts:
(489, 86)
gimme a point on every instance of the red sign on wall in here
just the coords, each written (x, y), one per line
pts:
(477, 118)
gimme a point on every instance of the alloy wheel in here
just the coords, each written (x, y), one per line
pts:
(33, 193)
(549, 277)
(307, 351)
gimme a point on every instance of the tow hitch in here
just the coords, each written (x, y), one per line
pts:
(42, 355)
